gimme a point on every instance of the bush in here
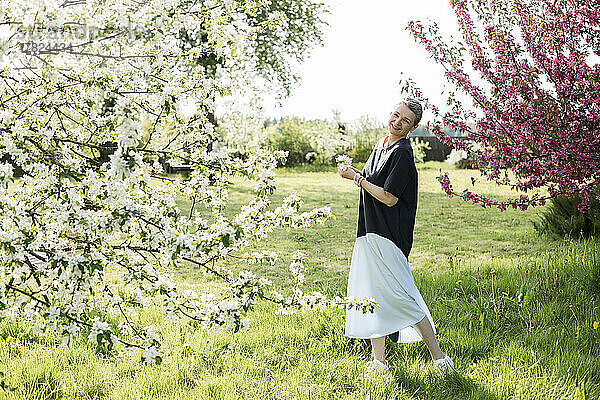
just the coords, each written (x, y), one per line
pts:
(563, 218)
(307, 141)
(364, 133)
(419, 146)
(462, 159)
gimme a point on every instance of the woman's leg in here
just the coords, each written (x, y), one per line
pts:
(378, 345)
(426, 331)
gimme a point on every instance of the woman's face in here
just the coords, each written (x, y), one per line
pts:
(401, 121)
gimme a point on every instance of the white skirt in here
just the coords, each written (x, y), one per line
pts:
(380, 270)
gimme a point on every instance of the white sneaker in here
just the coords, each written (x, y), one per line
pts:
(376, 367)
(444, 365)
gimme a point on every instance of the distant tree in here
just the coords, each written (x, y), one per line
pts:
(285, 30)
(282, 33)
(529, 67)
(364, 132)
(242, 132)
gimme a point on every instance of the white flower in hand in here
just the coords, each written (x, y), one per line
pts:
(344, 162)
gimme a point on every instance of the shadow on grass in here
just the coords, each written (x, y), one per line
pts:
(414, 376)
(434, 386)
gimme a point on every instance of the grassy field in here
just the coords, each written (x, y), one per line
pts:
(513, 309)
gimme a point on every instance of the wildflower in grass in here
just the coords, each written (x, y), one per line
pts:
(459, 282)
(245, 324)
(596, 324)
(151, 355)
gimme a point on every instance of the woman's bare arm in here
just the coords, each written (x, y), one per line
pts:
(376, 191)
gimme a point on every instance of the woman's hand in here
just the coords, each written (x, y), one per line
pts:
(348, 173)
(355, 170)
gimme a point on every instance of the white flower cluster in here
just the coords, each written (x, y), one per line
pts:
(128, 133)
(264, 256)
(98, 330)
(419, 146)
(327, 139)
(343, 161)
(150, 354)
(6, 174)
(314, 300)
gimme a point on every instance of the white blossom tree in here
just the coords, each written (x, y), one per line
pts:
(91, 230)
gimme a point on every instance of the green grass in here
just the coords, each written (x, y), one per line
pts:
(513, 309)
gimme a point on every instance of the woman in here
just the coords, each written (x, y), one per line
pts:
(379, 267)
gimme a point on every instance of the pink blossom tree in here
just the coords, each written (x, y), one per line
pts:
(530, 68)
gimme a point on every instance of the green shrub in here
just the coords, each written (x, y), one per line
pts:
(563, 218)
(462, 159)
(419, 146)
(307, 141)
(364, 133)
(288, 135)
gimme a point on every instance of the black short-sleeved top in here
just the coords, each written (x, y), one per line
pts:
(392, 168)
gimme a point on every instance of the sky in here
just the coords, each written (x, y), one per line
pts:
(366, 48)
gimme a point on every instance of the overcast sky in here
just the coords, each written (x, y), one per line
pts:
(366, 48)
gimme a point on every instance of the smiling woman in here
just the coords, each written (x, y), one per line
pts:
(379, 267)
(405, 118)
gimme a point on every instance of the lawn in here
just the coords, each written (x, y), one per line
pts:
(515, 311)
